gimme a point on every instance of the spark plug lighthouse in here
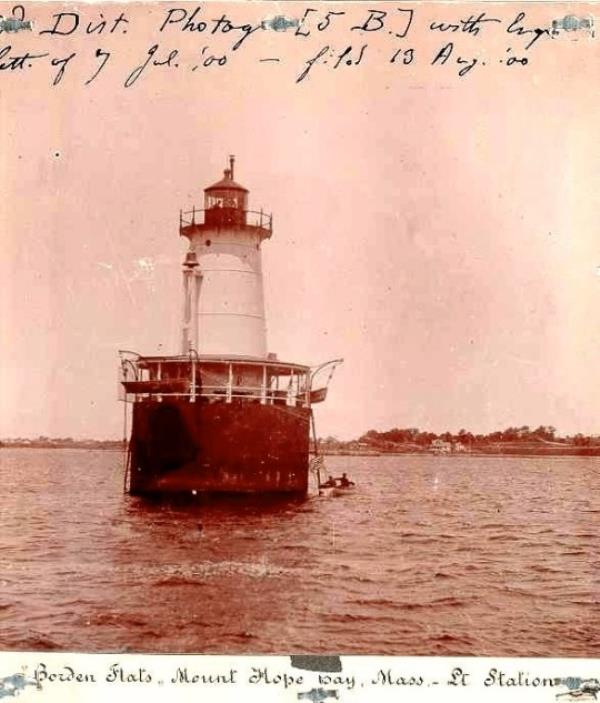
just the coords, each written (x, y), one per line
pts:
(223, 416)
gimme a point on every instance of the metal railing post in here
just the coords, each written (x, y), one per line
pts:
(263, 390)
(193, 397)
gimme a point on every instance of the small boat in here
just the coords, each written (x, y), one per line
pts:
(336, 488)
(342, 490)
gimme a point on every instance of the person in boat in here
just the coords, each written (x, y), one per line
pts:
(345, 482)
(330, 483)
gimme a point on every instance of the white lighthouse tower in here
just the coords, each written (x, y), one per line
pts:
(222, 273)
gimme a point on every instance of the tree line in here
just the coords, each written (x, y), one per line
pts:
(423, 438)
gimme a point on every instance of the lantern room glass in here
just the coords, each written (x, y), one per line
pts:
(232, 199)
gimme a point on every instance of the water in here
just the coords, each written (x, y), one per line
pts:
(430, 555)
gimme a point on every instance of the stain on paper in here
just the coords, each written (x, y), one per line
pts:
(313, 662)
(280, 23)
(573, 27)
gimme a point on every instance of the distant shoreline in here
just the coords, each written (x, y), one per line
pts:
(571, 451)
(490, 450)
(116, 445)
(494, 450)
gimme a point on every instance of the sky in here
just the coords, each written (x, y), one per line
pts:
(438, 233)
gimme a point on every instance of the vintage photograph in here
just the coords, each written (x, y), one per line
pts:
(300, 328)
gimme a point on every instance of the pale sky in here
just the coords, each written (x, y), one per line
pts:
(440, 234)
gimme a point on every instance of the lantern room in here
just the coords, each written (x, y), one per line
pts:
(226, 201)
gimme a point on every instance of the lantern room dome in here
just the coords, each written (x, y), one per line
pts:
(226, 183)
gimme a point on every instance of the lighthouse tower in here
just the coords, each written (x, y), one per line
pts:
(222, 416)
(223, 310)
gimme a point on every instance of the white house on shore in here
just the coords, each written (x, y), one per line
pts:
(441, 446)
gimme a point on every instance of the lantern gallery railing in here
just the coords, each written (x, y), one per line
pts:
(221, 379)
(226, 217)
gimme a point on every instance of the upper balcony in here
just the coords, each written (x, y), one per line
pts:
(198, 219)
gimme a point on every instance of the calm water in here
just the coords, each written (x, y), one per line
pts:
(430, 555)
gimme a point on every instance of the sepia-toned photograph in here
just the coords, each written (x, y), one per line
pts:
(300, 328)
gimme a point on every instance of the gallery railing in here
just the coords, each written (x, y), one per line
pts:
(225, 217)
(193, 378)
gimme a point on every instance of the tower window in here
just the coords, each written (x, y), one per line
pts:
(208, 242)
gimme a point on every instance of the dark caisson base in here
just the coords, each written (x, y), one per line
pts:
(238, 447)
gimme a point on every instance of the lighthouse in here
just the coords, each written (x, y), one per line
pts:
(223, 415)
(224, 310)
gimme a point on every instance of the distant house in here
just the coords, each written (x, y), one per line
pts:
(440, 446)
